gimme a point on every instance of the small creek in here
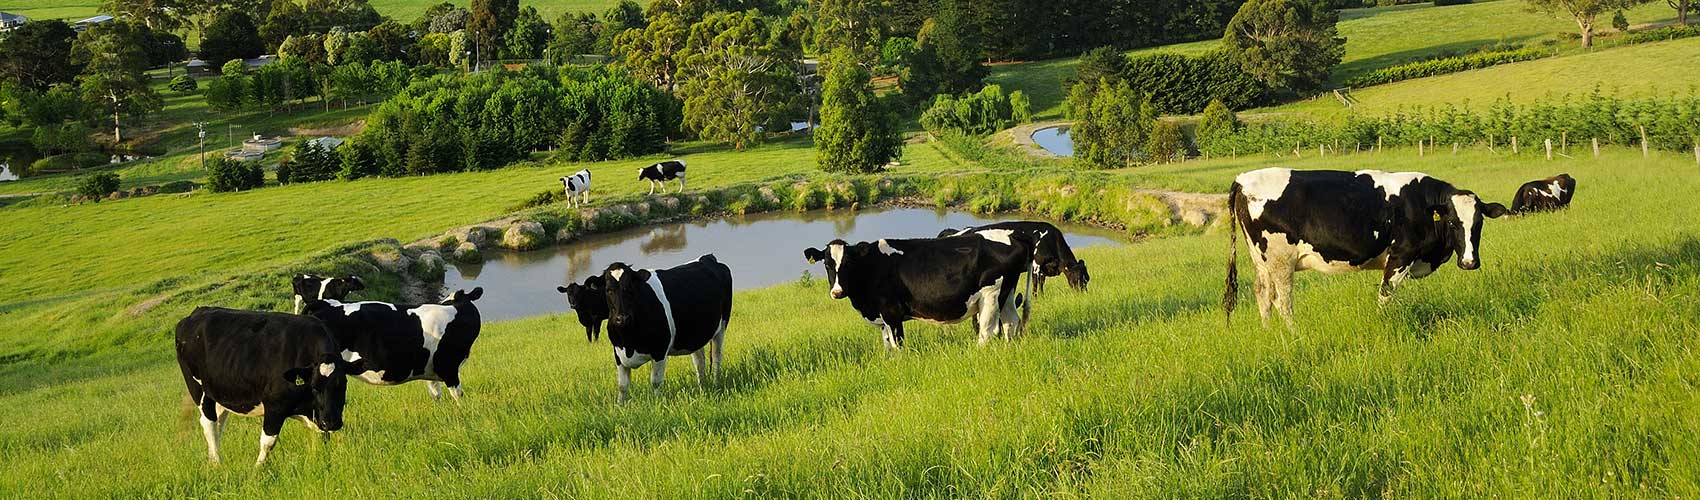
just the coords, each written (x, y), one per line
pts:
(762, 250)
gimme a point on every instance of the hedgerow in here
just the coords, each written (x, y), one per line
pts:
(1444, 65)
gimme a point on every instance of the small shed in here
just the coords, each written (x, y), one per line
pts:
(10, 21)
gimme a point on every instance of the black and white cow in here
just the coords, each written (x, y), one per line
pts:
(591, 302)
(1551, 193)
(1053, 256)
(262, 364)
(653, 314)
(389, 344)
(660, 173)
(577, 187)
(941, 280)
(1406, 224)
(310, 287)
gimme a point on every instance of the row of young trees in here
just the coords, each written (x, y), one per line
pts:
(290, 80)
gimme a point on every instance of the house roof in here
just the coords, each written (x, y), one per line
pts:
(96, 19)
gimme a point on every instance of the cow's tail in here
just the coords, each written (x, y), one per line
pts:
(1231, 296)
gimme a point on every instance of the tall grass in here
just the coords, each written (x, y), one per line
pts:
(1565, 367)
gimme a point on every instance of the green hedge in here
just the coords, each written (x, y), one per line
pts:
(1660, 34)
(1444, 65)
(1180, 84)
(1671, 123)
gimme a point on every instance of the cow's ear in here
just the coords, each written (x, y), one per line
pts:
(1437, 213)
(298, 376)
(814, 255)
(566, 289)
(593, 282)
(1495, 210)
(470, 296)
(354, 283)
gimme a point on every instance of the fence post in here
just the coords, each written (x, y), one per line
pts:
(1564, 139)
(1696, 151)
(1378, 144)
(1643, 140)
(1322, 150)
(1596, 147)
(1549, 148)
(1454, 148)
(1419, 148)
(1514, 144)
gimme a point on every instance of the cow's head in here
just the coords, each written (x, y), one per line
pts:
(1077, 275)
(624, 289)
(1460, 220)
(842, 262)
(327, 383)
(463, 296)
(590, 301)
(334, 288)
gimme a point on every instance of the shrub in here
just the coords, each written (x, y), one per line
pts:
(311, 163)
(1167, 142)
(1020, 107)
(96, 186)
(1620, 22)
(1110, 127)
(1446, 65)
(224, 174)
(1218, 123)
(977, 113)
(183, 84)
(1661, 34)
(69, 161)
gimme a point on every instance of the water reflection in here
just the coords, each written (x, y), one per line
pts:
(762, 250)
(1055, 140)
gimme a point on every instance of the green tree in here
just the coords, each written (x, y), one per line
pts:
(225, 175)
(231, 35)
(1218, 123)
(849, 23)
(1682, 7)
(529, 35)
(183, 84)
(652, 52)
(1286, 44)
(1167, 143)
(1020, 107)
(737, 77)
(160, 15)
(441, 18)
(1103, 63)
(308, 48)
(112, 77)
(1111, 126)
(34, 55)
(97, 186)
(285, 20)
(1582, 12)
(621, 17)
(391, 42)
(858, 131)
(574, 34)
(947, 60)
(489, 23)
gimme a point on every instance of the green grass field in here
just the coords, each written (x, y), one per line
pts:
(1380, 37)
(1566, 367)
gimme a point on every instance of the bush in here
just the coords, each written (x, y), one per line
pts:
(1661, 34)
(1167, 142)
(1620, 22)
(224, 175)
(978, 113)
(69, 161)
(1444, 65)
(1111, 126)
(1218, 123)
(96, 186)
(183, 84)
(311, 163)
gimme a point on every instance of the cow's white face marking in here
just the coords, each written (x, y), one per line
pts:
(1391, 182)
(324, 284)
(326, 369)
(1465, 206)
(886, 248)
(1261, 187)
(617, 273)
(350, 356)
(836, 250)
(1556, 190)
(997, 235)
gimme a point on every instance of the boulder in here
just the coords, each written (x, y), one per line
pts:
(470, 234)
(524, 235)
(429, 266)
(565, 235)
(468, 252)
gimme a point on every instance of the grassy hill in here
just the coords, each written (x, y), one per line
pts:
(1564, 367)
(1375, 38)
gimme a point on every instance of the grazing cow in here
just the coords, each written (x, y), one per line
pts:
(389, 344)
(260, 364)
(310, 287)
(942, 280)
(1406, 224)
(653, 314)
(1551, 193)
(577, 186)
(1054, 257)
(660, 173)
(590, 301)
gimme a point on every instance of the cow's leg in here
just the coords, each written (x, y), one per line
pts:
(719, 344)
(270, 426)
(297, 304)
(451, 378)
(657, 374)
(1262, 288)
(212, 423)
(436, 392)
(1282, 291)
(681, 183)
(1391, 278)
(624, 376)
(1012, 321)
(699, 359)
(896, 335)
(652, 187)
(987, 317)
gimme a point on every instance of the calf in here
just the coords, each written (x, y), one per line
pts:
(1551, 193)
(270, 365)
(660, 173)
(590, 301)
(310, 287)
(1405, 224)
(1051, 258)
(653, 314)
(577, 186)
(942, 280)
(389, 344)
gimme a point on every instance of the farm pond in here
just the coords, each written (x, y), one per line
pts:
(1055, 140)
(762, 250)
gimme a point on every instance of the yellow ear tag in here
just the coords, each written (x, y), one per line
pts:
(1437, 216)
